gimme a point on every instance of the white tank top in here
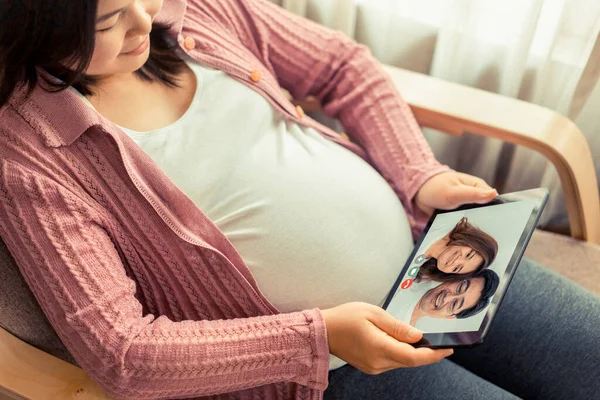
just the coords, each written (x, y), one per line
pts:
(316, 224)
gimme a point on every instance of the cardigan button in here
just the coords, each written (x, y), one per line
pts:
(344, 136)
(299, 112)
(189, 43)
(256, 75)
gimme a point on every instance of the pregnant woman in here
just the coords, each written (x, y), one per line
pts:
(190, 233)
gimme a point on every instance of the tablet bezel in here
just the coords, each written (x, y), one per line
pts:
(471, 338)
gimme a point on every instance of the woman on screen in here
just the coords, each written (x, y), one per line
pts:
(465, 250)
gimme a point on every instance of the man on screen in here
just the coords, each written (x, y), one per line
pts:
(461, 298)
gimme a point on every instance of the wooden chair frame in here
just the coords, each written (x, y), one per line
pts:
(26, 372)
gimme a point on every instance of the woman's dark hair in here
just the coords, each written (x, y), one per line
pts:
(58, 36)
(463, 234)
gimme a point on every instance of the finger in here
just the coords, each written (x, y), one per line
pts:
(397, 329)
(405, 355)
(460, 195)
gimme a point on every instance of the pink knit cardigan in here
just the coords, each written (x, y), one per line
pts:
(147, 294)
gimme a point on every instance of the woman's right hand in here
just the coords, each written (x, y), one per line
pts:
(370, 339)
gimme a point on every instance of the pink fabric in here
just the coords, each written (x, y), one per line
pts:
(147, 294)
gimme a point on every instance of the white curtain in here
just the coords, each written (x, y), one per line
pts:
(542, 51)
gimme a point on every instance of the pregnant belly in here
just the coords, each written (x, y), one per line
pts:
(316, 225)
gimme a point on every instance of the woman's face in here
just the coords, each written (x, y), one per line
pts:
(455, 259)
(122, 36)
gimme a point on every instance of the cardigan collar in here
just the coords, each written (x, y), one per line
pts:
(62, 117)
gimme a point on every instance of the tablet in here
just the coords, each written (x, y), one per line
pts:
(454, 281)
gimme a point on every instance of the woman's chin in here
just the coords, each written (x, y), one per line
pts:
(445, 269)
(139, 63)
(122, 71)
(441, 265)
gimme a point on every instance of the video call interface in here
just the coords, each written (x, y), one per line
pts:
(460, 267)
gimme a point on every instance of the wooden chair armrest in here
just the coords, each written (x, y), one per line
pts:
(455, 109)
(27, 372)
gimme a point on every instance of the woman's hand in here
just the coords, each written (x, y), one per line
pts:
(373, 341)
(451, 189)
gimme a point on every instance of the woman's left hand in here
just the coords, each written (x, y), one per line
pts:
(452, 189)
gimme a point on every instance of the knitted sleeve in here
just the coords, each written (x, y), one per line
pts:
(310, 59)
(67, 258)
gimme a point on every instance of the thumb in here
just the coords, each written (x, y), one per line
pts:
(397, 329)
(465, 194)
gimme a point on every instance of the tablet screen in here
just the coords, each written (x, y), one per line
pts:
(460, 265)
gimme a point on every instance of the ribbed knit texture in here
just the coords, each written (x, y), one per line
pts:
(147, 294)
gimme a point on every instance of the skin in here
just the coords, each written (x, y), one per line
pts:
(454, 259)
(448, 299)
(120, 96)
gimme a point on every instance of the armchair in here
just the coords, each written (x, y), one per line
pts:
(28, 372)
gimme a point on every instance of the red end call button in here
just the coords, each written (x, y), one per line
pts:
(406, 284)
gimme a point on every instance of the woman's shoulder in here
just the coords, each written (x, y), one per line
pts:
(44, 119)
(19, 138)
(34, 127)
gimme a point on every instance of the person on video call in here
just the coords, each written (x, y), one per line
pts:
(460, 298)
(464, 251)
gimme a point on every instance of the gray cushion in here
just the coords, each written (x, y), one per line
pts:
(20, 313)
